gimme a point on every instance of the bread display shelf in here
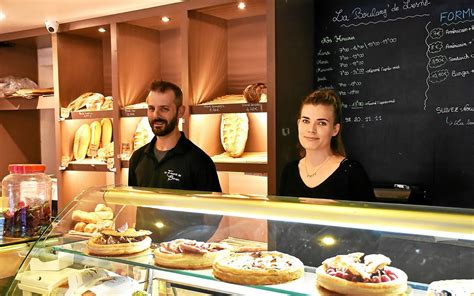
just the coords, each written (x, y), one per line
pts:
(88, 165)
(90, 114)
(229, 104)
(205, 280)
(21, 103)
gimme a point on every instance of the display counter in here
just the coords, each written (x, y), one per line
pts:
(427, 244)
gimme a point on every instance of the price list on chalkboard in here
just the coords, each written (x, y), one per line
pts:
(405, 72)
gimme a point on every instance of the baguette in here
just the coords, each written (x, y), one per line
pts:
(106, 137)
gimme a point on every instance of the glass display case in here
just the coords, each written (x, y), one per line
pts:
(427, 243)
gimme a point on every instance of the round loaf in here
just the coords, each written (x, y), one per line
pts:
(253, 92)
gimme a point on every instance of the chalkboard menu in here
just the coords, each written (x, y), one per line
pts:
(405, 72)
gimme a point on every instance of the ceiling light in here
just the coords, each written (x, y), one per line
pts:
(165, 19)
(102, 30)
(241, 5)
(2, 15)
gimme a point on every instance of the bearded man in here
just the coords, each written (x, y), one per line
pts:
(171, 161)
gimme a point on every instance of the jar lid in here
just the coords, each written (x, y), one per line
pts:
(26, 168)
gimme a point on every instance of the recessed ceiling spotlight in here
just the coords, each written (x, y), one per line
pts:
(102, 30)
(241, 5)
(165, 19)
(2, 15)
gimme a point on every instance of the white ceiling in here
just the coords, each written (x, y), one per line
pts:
(31, 14)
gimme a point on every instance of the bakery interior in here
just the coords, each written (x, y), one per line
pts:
(92, 65)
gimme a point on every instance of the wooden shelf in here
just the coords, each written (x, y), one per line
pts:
(133, 112)
(89, 166)
(86, 114)
(228, 108)
(20, 103)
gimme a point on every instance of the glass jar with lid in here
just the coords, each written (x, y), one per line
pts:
(27, 194)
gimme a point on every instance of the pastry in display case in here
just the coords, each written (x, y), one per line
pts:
(328, 253)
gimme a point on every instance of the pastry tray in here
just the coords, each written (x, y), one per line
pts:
(203, 279)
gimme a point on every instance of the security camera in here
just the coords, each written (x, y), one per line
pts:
(52, 26)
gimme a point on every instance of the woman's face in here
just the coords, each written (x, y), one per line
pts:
(316, 127)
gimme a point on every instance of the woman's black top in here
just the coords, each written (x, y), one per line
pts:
(348, 182)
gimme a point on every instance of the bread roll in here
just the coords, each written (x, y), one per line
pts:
(101, 208)
(106, 137)
(106, 152)
(90, 228)
(80, 226)
(234, 133)
(81, 142)
(253, 93)
(82, 216)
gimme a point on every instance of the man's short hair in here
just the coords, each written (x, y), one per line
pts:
(163, 86)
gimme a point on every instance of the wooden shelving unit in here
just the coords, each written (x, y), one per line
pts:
(20, 103)
(136, 49)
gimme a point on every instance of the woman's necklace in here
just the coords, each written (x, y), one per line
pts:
(317, 169)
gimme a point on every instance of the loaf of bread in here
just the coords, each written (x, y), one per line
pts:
(94, 102)
(90, 228)
(234, 133)
(106, 136)
(254, 92)
(87, 217)
(89, 100)
(108, 102)
(96, 131)
(81, 142)
(80, 226)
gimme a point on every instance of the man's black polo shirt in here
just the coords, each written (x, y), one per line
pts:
(184, 167)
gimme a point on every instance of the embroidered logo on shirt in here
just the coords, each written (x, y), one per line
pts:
(172, 175)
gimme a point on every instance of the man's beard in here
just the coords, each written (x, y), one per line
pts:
(167, 128)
